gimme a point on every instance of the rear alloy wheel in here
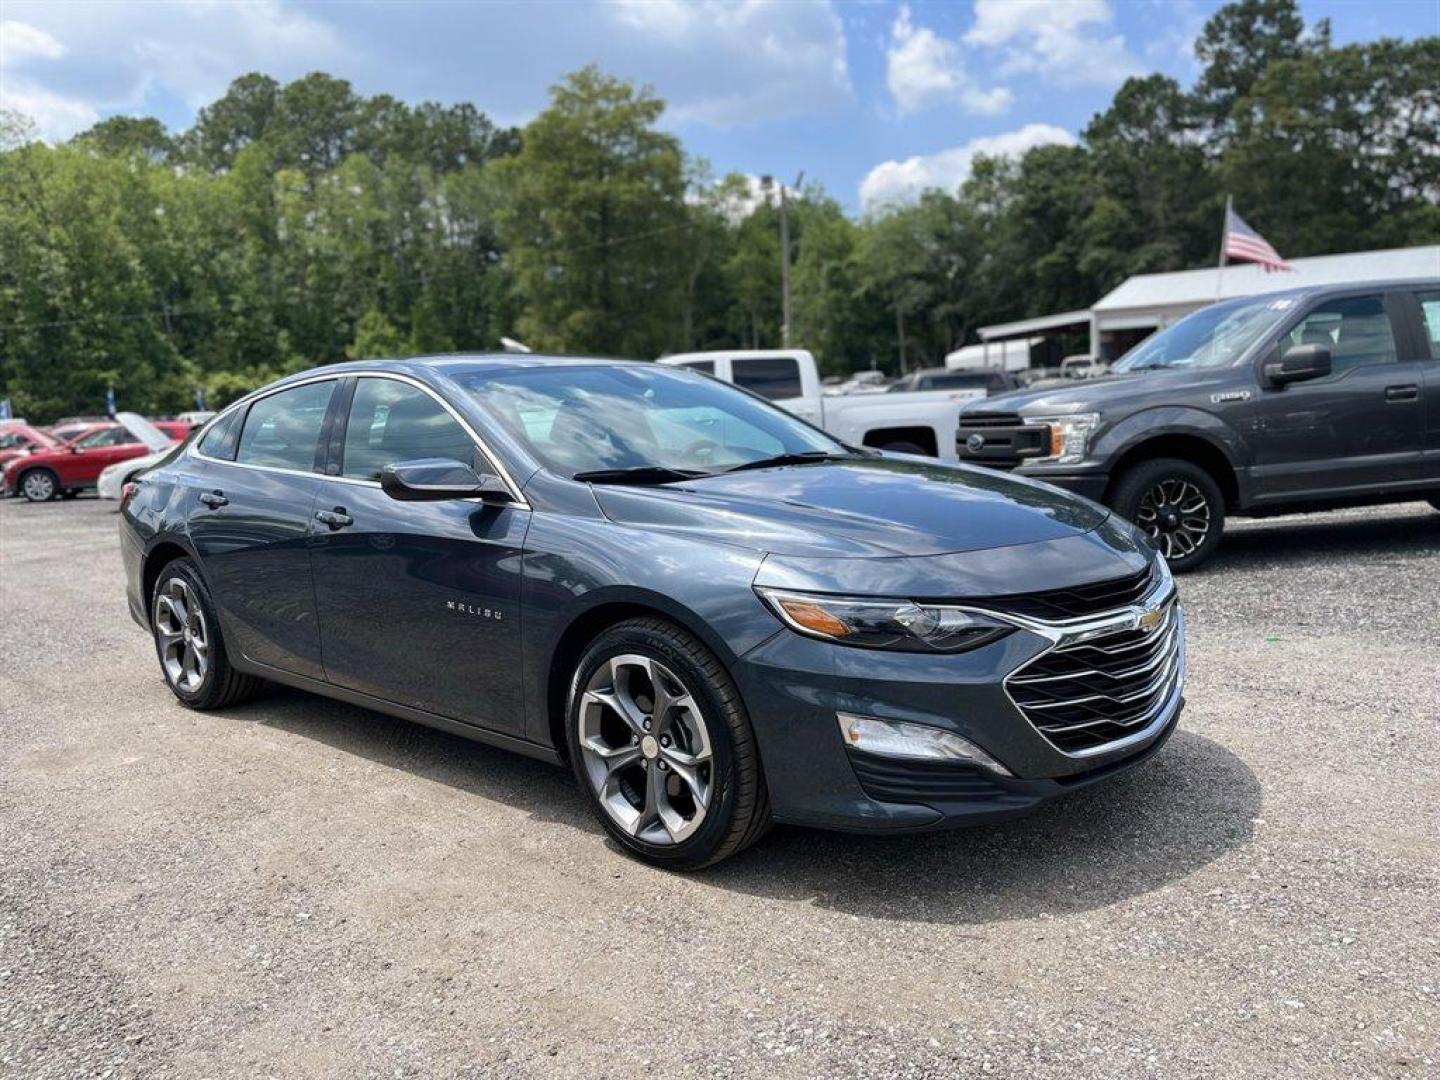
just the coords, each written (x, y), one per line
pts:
(662, 744)
(39, 485)
(188, 642)
(1175, 503)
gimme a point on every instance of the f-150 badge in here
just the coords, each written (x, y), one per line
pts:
(1230, 395)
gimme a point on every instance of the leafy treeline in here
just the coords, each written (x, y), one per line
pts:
(302, 224)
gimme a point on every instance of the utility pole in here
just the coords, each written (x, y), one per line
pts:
(767, 183)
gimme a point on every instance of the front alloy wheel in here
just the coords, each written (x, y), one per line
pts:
(645, 748)
(661, 743)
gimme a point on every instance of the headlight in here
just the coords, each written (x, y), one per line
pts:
(885, 624)
(1069, 437)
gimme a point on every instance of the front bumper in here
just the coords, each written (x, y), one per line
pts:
(795, 686)
(1091, 485)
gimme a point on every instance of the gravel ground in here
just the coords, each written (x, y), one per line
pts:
(303, 888)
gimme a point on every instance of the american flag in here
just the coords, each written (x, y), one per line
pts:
(1243, 242)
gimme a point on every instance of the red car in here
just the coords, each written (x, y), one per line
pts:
(18, 438)
(74, 466)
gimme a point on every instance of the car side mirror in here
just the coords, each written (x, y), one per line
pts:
(1298, 364)
(433, 479)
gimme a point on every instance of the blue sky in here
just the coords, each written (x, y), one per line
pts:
(872, 99)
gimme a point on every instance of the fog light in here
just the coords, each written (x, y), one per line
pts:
(897, 739)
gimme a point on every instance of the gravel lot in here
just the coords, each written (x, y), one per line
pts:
(303, 888)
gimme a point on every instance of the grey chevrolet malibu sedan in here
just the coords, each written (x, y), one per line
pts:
(716, 614)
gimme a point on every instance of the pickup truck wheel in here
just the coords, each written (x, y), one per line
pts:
(1177, 504)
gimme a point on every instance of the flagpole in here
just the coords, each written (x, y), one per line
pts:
(1224, 232)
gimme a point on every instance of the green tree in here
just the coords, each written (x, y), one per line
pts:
(592, 214)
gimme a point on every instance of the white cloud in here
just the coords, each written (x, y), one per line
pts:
(20, 41)
(730, 64)
(898, 181)
(1066, 41)
(716, 63)
(72, 63)
(924, 69)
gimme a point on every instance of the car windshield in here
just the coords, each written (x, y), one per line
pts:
(1215, 336)
(594, 419)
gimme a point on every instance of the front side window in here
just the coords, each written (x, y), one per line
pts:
(1356, 330)
(283, 430)
(393, 421)
(115, 436)
(1216, 336)
(772, 377)
(578, 419)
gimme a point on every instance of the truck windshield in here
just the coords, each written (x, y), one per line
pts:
(1215, 336)
(658, 421)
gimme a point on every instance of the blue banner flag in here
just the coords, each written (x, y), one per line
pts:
(110, 402)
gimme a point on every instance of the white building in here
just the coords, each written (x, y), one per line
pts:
(1145, 303)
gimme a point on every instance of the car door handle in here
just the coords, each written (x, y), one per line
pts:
(1408, 392)
(213, 499)
(336, 519)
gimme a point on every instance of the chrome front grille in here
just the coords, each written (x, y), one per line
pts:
(1087, 694)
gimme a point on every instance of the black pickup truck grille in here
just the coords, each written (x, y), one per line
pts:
(999, 440)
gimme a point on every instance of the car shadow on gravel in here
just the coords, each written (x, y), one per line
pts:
(1188, 806)
(1325, 540)
(545, 791)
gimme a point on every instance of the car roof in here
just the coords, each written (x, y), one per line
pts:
(457, 364)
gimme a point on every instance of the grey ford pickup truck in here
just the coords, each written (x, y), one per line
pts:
(1306, 399)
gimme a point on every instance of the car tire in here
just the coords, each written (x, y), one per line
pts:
(39, 485)
(189, 644)
(1177, 504)
(681, 786)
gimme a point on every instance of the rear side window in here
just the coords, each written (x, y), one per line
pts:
(773, 377)
(1356, 330)
(224, 434)
(707, 366)
(1430, 310)
(393, 421)
(283, 430)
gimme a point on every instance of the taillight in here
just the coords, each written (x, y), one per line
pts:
(128, 492)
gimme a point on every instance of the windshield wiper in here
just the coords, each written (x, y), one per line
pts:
(802, 458)
(639, 474)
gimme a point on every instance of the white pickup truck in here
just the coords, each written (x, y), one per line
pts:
(914, 422)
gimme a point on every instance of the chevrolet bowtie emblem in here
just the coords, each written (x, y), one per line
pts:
(1149, 620)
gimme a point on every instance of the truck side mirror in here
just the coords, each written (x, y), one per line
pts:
(1298, 364)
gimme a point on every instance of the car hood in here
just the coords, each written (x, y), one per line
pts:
(869, 507)
(144, 431)
(1093, 395)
